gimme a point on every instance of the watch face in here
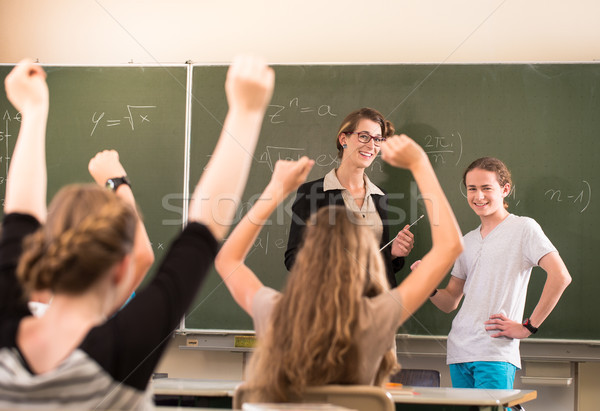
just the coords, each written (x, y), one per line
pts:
(114, 183)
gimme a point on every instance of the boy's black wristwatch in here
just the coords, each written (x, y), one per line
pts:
(531, 328)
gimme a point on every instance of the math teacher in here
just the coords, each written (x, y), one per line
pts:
(358, 142)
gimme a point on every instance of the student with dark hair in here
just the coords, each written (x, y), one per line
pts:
(493, 273)
(82, 250)
(103, 167)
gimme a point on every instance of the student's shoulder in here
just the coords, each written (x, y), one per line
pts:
(263, 303)
(267, 293)
(473, 234)
(389, 298)
(523, 227)
(381, 312)
(197, 229)
(264, 299)
(20, 222)
(523, 222)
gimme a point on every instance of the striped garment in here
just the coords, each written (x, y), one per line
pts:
(112, 366)
(78, 383)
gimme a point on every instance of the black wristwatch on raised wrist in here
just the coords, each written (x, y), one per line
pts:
(531, 328)
(114, 183)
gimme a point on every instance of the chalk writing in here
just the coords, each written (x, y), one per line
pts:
(276, 112)
(327, 160)
(580, 199)
(137, 116)
(272, 154)
(265, 240)
(443, 148)
(158, 246)
(513, 194)
(7, 116)
(5, 136)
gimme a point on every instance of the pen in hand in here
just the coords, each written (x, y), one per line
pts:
(392, 240)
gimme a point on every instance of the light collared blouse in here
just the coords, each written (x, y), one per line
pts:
(368, 211)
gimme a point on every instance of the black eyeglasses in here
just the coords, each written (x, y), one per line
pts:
(365, 137)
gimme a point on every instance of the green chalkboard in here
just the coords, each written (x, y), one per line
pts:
(139, 111)
(543, 120)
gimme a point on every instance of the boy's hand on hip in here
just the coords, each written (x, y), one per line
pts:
(506, 327)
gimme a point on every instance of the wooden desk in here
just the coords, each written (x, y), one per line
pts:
(219, 393)
(431, 398)
(175, 408)
(193, 392)
(186, 386)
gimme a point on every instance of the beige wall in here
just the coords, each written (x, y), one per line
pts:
(144, 31)
(589, 384)
(210, 365)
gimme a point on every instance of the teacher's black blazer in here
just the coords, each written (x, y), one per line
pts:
(310, 197)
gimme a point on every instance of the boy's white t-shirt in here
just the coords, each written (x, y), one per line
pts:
(496, 270)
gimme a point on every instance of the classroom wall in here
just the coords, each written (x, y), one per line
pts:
(399, 31)
(151, 31)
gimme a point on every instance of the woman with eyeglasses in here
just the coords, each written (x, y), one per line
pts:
(358, 142)
(335, 320)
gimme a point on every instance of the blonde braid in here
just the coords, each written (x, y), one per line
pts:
(79, 243)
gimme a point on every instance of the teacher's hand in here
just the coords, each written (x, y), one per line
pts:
(403, 243)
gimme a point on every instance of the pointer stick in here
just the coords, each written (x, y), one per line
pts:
(415, 222)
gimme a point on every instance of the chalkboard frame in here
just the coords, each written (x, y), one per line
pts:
(545, 70)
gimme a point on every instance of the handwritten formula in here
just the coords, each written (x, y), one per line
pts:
(136, 116)
(10, 128)
(444, 149)
(277, 113)
(580, 197)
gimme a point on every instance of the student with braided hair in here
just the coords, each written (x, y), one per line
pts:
(82, 250)
(105, 166)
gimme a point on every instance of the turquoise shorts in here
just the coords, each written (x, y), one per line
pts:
(483, 374)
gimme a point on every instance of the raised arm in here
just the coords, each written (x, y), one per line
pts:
(239, 279)
(102, 167)
(445, 233)
(558, 278)
(249, 87)
(27, 179)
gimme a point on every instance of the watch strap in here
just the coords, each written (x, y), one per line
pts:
(531, 328)
(114, 183)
